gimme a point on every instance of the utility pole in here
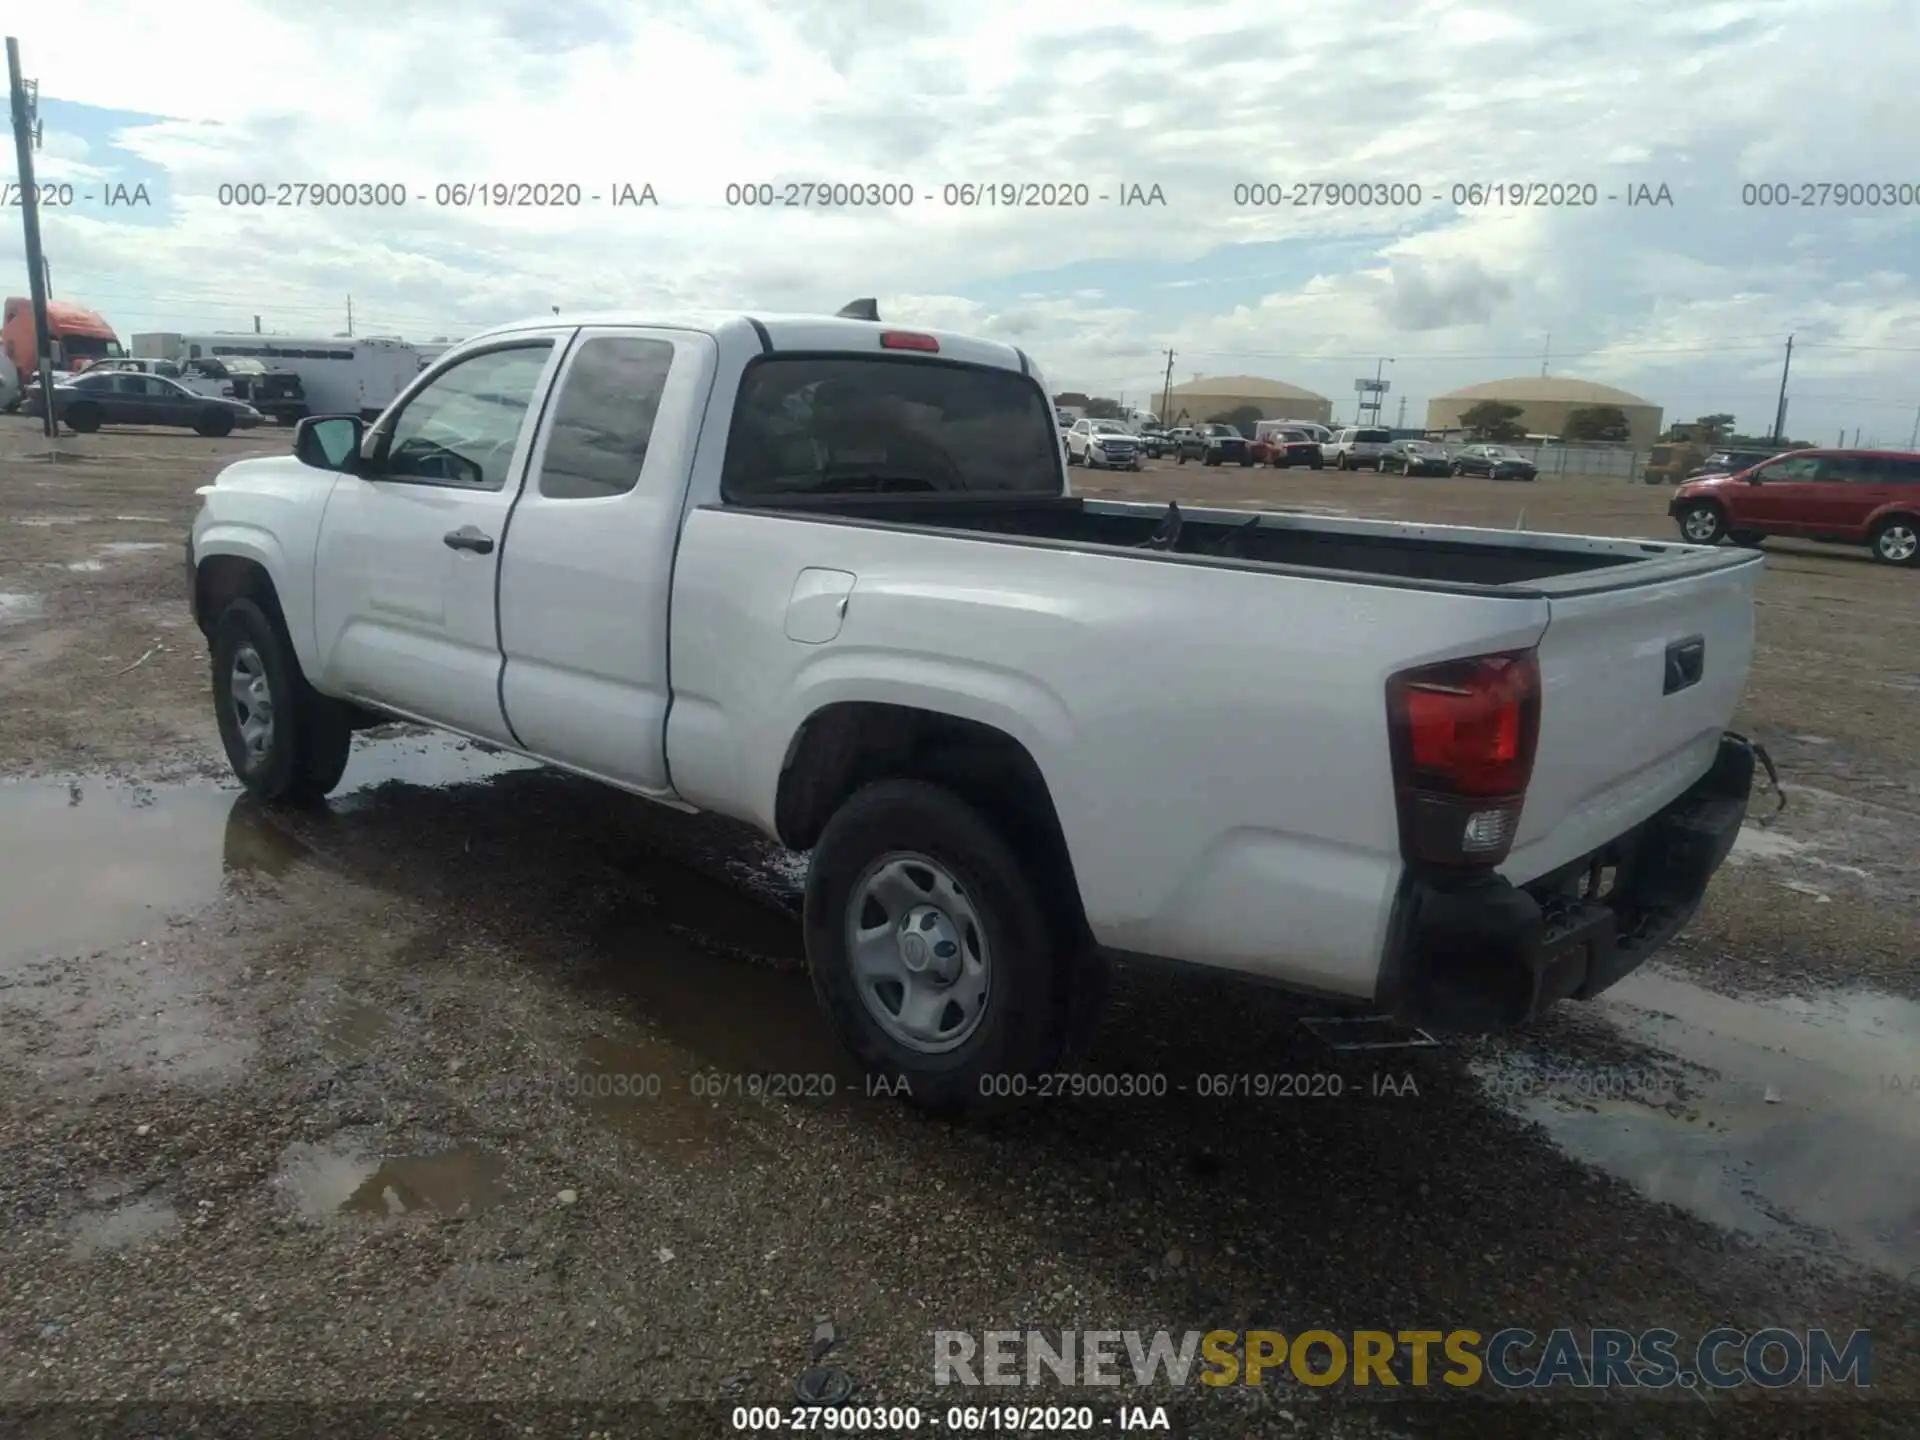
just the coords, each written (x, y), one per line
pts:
(1913, 440)
(1780, 411)
(256, 324)
(46, 272)
(1401, 423)
(1166, 394)
(349, 316)
(1856, 437)
(1546, 353)
(26, 138)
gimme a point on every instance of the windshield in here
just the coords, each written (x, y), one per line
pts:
(851, 425)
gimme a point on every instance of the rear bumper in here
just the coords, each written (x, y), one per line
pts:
(1480, 955)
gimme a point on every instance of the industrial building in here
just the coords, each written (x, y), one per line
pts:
(1545, 402)
(1200, 399)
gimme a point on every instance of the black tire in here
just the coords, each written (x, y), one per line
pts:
(1319, 464)
(82, 419)
(1458, 471)
(1703, 523)
(214, 423)
(1245, 461)
(1340, 462)
(308, 735)
(1894, 541)
(1026, 1022)
(1183, 457)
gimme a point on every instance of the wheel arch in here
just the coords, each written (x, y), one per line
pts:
(845, 745)
(232, 561)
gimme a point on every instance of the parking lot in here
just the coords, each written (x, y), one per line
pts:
(447, 1091)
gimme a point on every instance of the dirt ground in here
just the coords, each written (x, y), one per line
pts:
(463, 1089)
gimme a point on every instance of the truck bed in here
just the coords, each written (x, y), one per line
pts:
(1436, 556)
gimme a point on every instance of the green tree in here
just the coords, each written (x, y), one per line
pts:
(1596, 422)
(1493, 421)
(1712, 429)
(1242, 417)
(1101, 408)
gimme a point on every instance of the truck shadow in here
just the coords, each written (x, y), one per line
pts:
(1213, 1164)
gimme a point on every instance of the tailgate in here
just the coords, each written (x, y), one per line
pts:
(1638, 682)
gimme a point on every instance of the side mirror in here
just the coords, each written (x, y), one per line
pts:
(329, 442)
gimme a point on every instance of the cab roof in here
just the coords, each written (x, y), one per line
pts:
(772, 333)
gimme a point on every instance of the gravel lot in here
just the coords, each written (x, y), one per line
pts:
(440, 1095)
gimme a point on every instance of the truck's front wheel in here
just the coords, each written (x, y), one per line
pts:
(930, 950)
(286, 741)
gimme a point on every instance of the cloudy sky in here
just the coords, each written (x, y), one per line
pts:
(1687, 302)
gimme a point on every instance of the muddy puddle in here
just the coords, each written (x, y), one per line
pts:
(1798, 1121)
(88, 865)
(349, 1176)
(16, 605)
(138, 1222)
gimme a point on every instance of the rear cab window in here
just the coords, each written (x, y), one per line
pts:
(812, 426)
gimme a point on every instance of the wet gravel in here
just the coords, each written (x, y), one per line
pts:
(486, 1090)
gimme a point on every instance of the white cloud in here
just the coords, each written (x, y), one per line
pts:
(1194, 99)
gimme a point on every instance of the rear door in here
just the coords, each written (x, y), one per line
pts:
(1859, 486)
(408, 557)
(585, 584)
(1638, 683)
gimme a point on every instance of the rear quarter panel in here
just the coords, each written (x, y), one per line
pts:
(1214, 739)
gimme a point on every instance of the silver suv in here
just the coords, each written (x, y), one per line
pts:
(1358, 447)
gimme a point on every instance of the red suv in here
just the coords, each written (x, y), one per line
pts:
(1850, 497)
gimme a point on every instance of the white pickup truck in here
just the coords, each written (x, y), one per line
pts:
(825, 575)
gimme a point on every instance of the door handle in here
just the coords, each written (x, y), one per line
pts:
(468, 538)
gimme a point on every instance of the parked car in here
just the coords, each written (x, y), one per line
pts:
(1847, 497)
(767, 567)
(1357, 447)
(1103, 445)
(277, 393)
(1178, 435)
(105, 397)
(1282, 446)
(1153, 441)
(1215, 445)
(1496, 462)
(1726, 462)
(1416, 457)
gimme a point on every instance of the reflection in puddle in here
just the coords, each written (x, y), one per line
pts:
(86, 866)
(121, 1229)
(431, 760)
(16, 605)
(352, 1027)
(343, 1178)
(1809, 1123)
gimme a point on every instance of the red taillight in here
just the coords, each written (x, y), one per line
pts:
(1463, 735)
(907, 340)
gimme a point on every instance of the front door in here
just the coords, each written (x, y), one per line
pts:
(404, 575)
(1787, 492)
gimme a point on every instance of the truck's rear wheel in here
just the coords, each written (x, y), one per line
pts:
(286, 741)
(1703, 523)
(930, 948)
